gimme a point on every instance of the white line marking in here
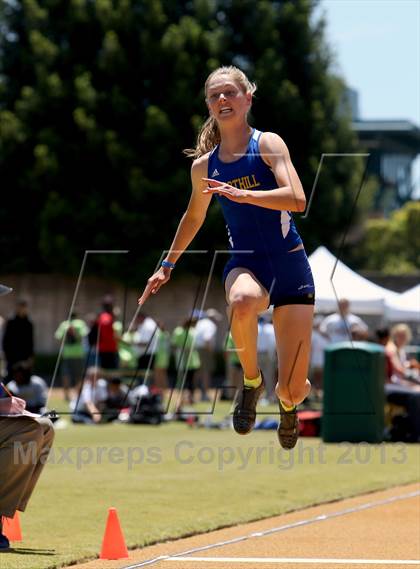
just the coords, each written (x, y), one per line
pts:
(320, 518)
(298, 560)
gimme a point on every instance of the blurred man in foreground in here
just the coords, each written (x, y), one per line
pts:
(25, 442)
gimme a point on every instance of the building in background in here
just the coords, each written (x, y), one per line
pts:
(393, 146)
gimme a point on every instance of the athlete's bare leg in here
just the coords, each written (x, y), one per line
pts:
(293, 329)
(246, 298)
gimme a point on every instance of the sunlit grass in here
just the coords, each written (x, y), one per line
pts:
(174, 480)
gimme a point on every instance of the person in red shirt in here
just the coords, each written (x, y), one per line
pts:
(107, 341)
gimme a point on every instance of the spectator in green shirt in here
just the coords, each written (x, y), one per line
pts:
(73, 355)
(162, 357)
(126, 348)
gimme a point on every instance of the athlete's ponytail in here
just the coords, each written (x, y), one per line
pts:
(207, 139)
(209, 135)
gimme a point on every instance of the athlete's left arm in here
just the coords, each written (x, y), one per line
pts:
(289, 195)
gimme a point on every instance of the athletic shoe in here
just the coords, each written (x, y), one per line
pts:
(4, 542)
(245, 414)
(4, 290)
(288, 429)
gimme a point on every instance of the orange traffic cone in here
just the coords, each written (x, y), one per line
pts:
(11, 528)
(113, 544)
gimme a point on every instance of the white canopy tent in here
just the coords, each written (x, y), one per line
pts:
(405, 307)
(364, 296)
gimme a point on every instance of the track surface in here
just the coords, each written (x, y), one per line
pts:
(376, 530)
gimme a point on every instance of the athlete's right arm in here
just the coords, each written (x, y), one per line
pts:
(188, 227)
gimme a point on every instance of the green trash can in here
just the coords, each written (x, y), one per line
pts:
(354, 394)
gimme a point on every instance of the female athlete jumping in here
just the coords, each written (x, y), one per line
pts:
(253, 178)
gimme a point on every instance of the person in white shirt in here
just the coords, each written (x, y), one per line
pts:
(404, 371)
(90, 398)
(338, 327)
(205, 343)
(145, 340)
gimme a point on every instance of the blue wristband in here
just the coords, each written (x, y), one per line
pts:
(168, 265)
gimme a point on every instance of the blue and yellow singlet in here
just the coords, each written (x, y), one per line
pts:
(261, 239)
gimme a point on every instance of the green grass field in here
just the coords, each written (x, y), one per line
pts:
(174, 480)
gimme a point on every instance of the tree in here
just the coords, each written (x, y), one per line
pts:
(97, 100)
(393, 245)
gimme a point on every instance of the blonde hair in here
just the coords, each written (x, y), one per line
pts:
(401, 328)
(209, 135)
